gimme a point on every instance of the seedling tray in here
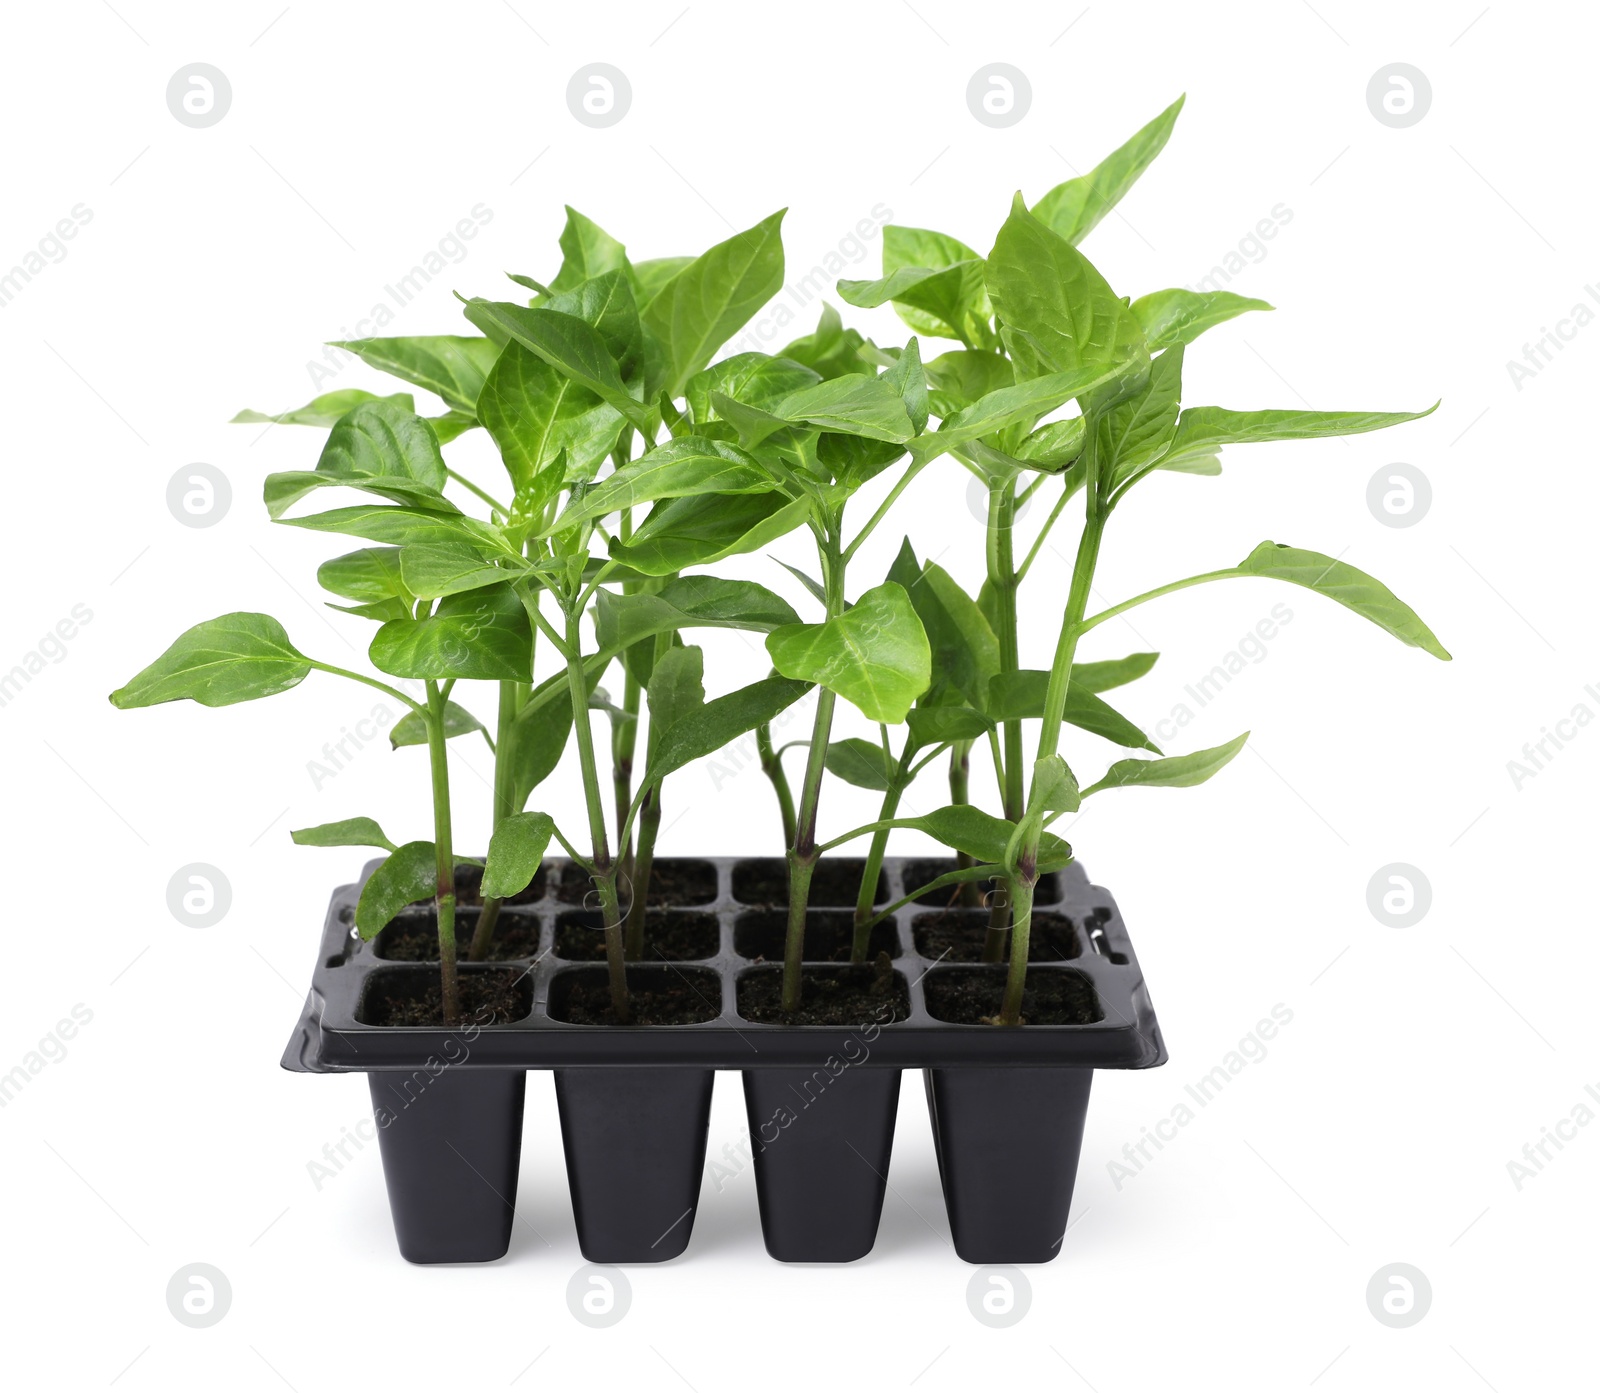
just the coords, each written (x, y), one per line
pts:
(332, 1036)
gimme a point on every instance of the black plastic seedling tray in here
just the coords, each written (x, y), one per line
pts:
(332, 1037)
(1008, 1104)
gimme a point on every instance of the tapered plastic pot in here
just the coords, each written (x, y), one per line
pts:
(1008, 1143)
(822, 1144)
(635, 1141)
(451, 1142)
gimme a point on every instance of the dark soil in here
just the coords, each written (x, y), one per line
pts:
(678, 881)
(1048, 891)
(414, 938)
(852, 996)
(670, 935)
(763, 882)
(972, 996)
(957, 935)
(658, 996)
(829, 933)
(406, 996)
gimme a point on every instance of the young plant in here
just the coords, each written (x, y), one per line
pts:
(1035, 316)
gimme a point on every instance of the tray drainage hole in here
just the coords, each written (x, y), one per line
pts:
(1095, 928)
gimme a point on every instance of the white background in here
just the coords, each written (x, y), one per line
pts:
(1379, 1125)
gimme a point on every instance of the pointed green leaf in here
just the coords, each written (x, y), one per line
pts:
(1173, 317)
(401, 526)
(483, 634)
(382, 438)
(1136, 432)
(353, 831)
(1054, 788)
(875, 654)
(371, 575)
(587, 250)
(1073, 209)
(710, 727)
(830, 349)
(1202, 429)
(676, 689)
(965, 828)
(1020, 696)
(1176, 771)
(450, 366)
(412, 729)
(859, 762)
(713, 297)
(951, 299)
(754, 379)
(432, 570)
(944, 725)
(705, 528)
(516, 847)
(410, 874)
(1352, 588)
(1116, 672)
(535, 413)
(280, 492)
(324, 410)
(681, 468)
(233, 658)
(568, 344)
(687, 603)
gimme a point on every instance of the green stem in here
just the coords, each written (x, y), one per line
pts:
(960, 772)
(1084, 625)
(624, 741)
(772, 767)
(1003, 588)
(604, 872)
(444, 857)
(874, 863)
(1055, 703)
(643, 864)
(417, 706)
(471, 487)
(511, 697)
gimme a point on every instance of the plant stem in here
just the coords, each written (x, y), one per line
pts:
(1003, 587)
(772, 767)
(511, 697)
(444, 857)
(624, 741)
(874, 864)
(960, 767)
(1085, 625)
(605, 873)
(1050, 737)
(803, 850)
(643, 862)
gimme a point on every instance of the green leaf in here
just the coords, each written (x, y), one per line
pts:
(400, 526)
(233, 658)
(1176, 771)
(966, 653)
(676, 689)
(1020, 403)
(431, 570)
(753, 379)
(450, 366)
(681, 468)
(951, 299)
(875, 654)
(702, 529)
(1020, 696)
(1055, 787)
(909, 247)
(1116, 672)
(568, 344)
(381, 610)
(538, 742)
(516, 847)
(450, 425)
(587, 251)
(1053, 447)
(412, 728)
(859, 762)
(483, 634)
(1173, 317)
(1354, 589)
(353, 831)
(874, 407)
(1203, 429)
(371, 575)
(910, 380)
(1135, 433)
(713, 297)
(383, 438)
(960, 378)
(687, 603)
(813, 587)
(535, 413)
(944, 725)
(606, 303)
(713, 725)
(975, 832)
(1072, 210)
(280, 492)
(1058, 313)
(651, 276)
(830, 349)
(324, 410)
(410, 874)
